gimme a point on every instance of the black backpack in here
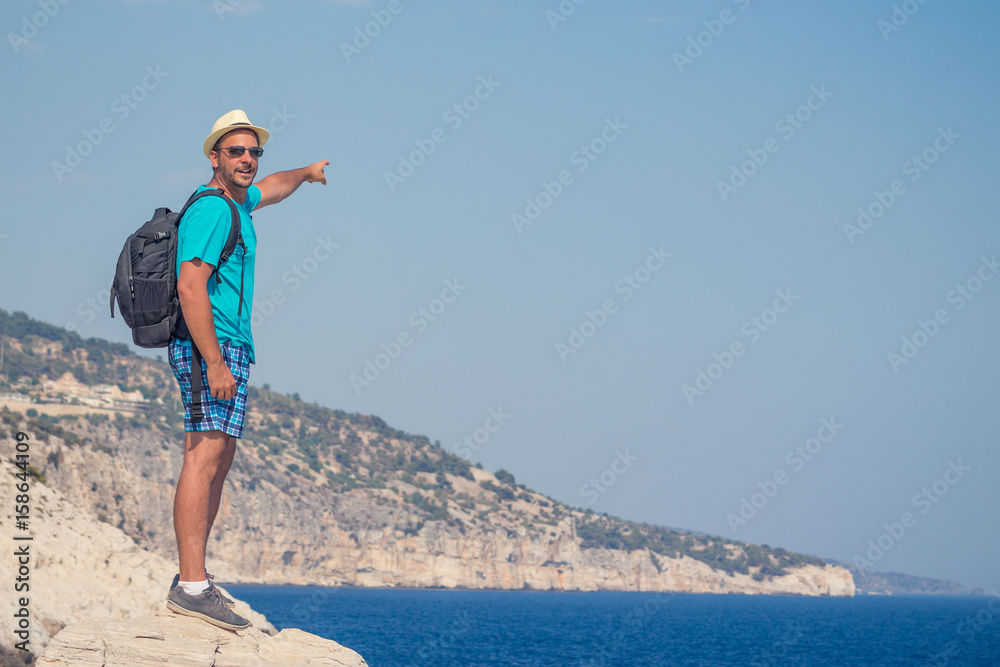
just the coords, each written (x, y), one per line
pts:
(145, 283)
(145, 279)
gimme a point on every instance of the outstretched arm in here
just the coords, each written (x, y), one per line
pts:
(280, 184)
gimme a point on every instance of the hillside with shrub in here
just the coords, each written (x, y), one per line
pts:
(369, 489)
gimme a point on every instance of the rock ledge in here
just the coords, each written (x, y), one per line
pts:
(166, 638)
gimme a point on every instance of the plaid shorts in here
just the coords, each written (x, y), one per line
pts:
(225, 416)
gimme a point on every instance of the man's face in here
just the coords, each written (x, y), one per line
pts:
(235, 172)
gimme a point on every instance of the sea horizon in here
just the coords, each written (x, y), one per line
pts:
(450, 627)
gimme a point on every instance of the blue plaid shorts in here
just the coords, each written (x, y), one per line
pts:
(225, 416)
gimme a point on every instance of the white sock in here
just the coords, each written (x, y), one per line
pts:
(194, 587)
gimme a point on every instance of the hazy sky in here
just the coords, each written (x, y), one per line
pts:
(724, 266)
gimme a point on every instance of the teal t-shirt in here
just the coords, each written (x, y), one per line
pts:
(203, 233)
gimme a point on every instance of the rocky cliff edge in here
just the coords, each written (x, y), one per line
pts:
(95, 598)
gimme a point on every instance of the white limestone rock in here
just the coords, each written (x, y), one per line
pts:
(165, 638)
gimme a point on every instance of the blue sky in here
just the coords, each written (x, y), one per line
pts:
(696, 168)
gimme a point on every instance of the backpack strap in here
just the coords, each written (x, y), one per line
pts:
(235, 239)
(196, 412)
(235, 235)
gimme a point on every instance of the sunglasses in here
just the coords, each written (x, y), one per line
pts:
(237, 151)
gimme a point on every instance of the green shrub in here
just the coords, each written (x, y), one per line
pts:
(505, 477)
(502, 491)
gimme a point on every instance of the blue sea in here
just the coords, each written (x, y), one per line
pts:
(491, 628)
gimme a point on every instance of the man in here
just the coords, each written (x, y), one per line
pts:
(216, 300)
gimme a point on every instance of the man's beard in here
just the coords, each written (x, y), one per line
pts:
(236, 177)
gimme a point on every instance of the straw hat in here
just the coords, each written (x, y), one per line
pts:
(234, 120)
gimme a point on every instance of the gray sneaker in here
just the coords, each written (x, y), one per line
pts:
(225, 598)
(208, 606)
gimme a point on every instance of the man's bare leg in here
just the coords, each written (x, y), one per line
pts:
(215, 500)
(206, 461)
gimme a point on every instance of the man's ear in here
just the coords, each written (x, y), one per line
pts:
(213, 156)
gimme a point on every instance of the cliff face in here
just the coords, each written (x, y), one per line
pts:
(298, 549)
(490, 561)
(278, 527)
(319, 496)
(81, 568)
(96, 598)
